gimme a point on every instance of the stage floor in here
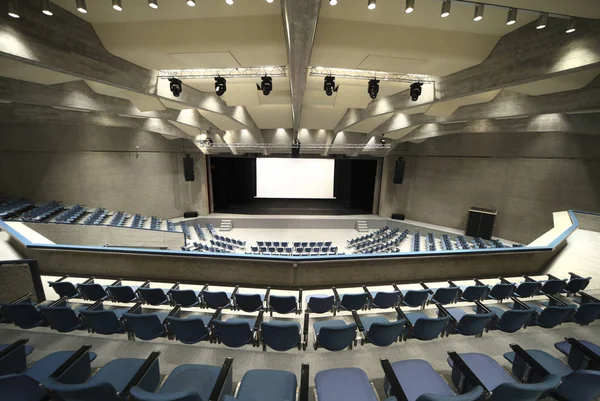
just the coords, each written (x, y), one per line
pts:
(261, 206)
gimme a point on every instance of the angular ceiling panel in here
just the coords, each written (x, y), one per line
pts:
(320, 117)
(220, 121)
(369, 124)
(206, 60)
(561, 83)
(401, 133)
(448, 107)
(140, 101)
(241, 94)
(352, 96)
(274, 116)
(31, 73)
(391, 64)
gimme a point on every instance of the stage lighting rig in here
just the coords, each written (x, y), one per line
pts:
(373, 88)
(415, 91)
(329, 85)
(220, 86)
(266, 85)
(175, 86)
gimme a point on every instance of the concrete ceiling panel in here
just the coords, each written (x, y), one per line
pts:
(561, 83)
(401, 133)
(206, 60)
(320, 117)
(241, 94)
(368, 125)
(391, 64)
(221, 121)
(140, 101)
(448, 107)
(31, 73)
(274, 116)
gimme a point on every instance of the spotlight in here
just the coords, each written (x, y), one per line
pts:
(371, 4)
(445, 8)
(410, 6)
(117, 5)
(220, 85)
(81, 6)
(511, 18)
(333, 2)
(266, 85)
(208, 141)
(191, 3)
(373, 88)
(230, 2)
(478, 12)
(269, 1)
(415, 91)
(572, 25)
(329, 85)
(382, 140)
(542, 21)
(153, 4)
(175, 86)
(46, 8)
(13, 11)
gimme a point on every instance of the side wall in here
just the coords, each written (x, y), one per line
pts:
(101, 166)
(524, 176)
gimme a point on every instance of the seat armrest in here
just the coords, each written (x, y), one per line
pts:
(146, 284)
(481, 308)
(267, 293)
(574, 275)
(528, 279)
(201, 296)
(304, 392)
(358, 322)
(396, 287)
(466, 372)
(425, 287)
(336, 297)
(532, 364)
(403, 316)
(137, 308)
(589, 298)
(390, 375)
(445, 312)
(259, 320)
(305, 330)
(452, 284)
(300, 301)
(21, 299)
(89, 281)
(13, 346)
(369, 295)
(478, 282)
(62, 278)
(552, 277)
(67, 364)
(222, 379)
(555, 301)
(175, 312)
(175, 286)
(117, 283)
(594, 359)
(505, 281)
(139, 375)
(519, 304)
(98, 305)
(214, 317)
(59, 302)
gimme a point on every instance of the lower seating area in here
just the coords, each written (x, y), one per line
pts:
(42, 212)
(9, 208)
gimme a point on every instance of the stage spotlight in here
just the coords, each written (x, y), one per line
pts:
(230, 2)
(572, 25)
(511, 18)
(333, 2)
(81, 6)
(415, 91)
(220, 85)
(478, 12)
(191, 3)
(153, 4)
(446, 8)
(13, 11)
(266, 85)
(117, 5)
(46, 8)
(296, 148)
(542, 21)
(382, 140)
(329, 85)
(175, 86)
(373, 88)
(410, 6)
(371, 4)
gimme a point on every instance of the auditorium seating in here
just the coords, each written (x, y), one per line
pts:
(41, 213)
(138, 221)
(117, 219)
(13, 207)
(70, 215)
(186, 230)
(96, 217)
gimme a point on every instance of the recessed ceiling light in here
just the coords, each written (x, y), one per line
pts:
(371, 4)
(333, 2)
(230, 2)
(572, 26)
(153, 4)
(12, 9)
(191, 3)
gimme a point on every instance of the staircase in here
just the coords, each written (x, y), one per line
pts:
(226, 225)
(361, 225)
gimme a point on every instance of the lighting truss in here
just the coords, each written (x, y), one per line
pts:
(238, 72)
(315, 146)
(368, 74)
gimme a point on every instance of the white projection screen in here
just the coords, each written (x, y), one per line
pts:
(294, 178)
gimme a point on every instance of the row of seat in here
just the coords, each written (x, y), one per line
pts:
(430, 242)
(416, 242)
(96, 217)
(199, 247)
(390, 246)
(296, 244)
(42, 212)
(365, 237)
(118, 219)
(446, 243)
(9, 208)
(186, 230)
(138, 221)
(155, 223)
(70, 215)
(232, 241)
(377, 239)
(199, 232)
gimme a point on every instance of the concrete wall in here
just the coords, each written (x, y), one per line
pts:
(101, 166)
(15, 281)
(524, 176)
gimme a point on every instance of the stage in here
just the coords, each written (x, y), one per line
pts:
(264, 206)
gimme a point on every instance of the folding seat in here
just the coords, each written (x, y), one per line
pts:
(527, 289)
(263, 249)
(378, 330)
(581, 355)
(414, 298)
(501, 291)
(260, 243)
(284, 244)
(92, 291)
(190, 383)
(64, 288)
(122, 293)
(254, 248)
(327, 243)
(576, 284)
(471, 293)
(472, 369)
(271, 249)
(444, 295)
(316, 249)
(280, 249)
(152, 296)
(249, 302)
(588, 311)
(192, 329)
(186, 298)
(334, 335)
(385, 300)
(421, 326)
(553, 286)
(23, 312)
(415, 379)
(297, 245)
(304, 244)
(276, 244)
(288, 250)
(508, 321)
(312, 244)
(112, 382)
(236, 332)
(352, 302)
(268, 243)
(549, 317)
(324, 249)
(61, 316)
(348, 384)
(299, 250)
(320, 303)
(467, 324)
(307, 249)
(145, 326)
(103, 321)
(281, 335)
(284, 304)
(215, 299)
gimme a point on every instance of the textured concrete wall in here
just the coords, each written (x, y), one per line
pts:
(525, 177)
(15, 281)
(101, 166)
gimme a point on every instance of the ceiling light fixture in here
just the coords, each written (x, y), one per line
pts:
(333, 2)
(446, 8)
(266, 85)
(117, 5)
(371, 4)
(329, 85)
(511, 18)
(153, 4)
(46, 8)
(373, 88)
(191, 3)
(220, 86)
(478, 16)
(410, 6)
(175, 86)
(230, 2)
(542, 21)
(415, 91)
(81, 6)
(572, 25)
(13, 11)
(269, 1)
(382, 140)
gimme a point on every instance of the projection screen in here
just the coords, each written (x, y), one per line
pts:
(294, 178)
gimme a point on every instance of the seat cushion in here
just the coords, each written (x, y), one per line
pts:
(284, 323)
(565, 348)
(369, 320)
(456, 313)
(328, 323)
(553, 365)
(489, 372)
(241, 320)
(282, 386)
(495, 310)
(414, 316)
(344, 384)
(44, 367)
(197, 378)
(28, 348)
(117, 372)
(417, 377)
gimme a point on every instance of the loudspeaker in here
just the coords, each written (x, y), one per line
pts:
(399, 173)
(188, 168)
(190, 214)
(398, 216)
(481, 223)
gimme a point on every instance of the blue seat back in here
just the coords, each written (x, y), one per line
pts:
(415, 298)
(528, 289)
(386, 300)
(337, 338)
(502, 291)
(215, 300)
(445, 295)
(513, 320)
(185, 298)
(472, 324)
(552, 316)
(188, 331)
(92, 291)
(384, 334)
(61, 318)
(20, 387)
(137, 394)
(249, 302)
(553, 287)
(429, 328)
(64, 288)
(524, 391)
(233, 334)
(474, 292)
(587, 313)
(153, 296)
(102, 321)
(280, 337)
(14, 361)
(353, 301)
(283, 304)
(87, 391)
(145, 326)
(23, 315)
(581, 385)
(474, 394)
(577, 284)
(320, 304)
(122, 293)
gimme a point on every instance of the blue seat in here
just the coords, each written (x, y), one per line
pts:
(235, 332)
(420, 382)
(334, 335)
(92, 291)
(467, 324)
(283, 304)
(280, 335)
(501, 291)
(282, 386)
(385, 300)
(473, 293)
(122, 293)
(145, 326)
(424, 327)
(509, 321)
(576, 359)
(347, 384)
(185, 383)
(64, 289)
(415, 298)
(185, 298)
(153, 296)
(576, 284)
(62, 318)
(190, 330)
(249, 302)
(104, 321)
(24, 315)
(320, 303)
(551, 316)
(216, 300)
(353, 301)
(553, 287)
(527, 289)
(381, 332)
(444, 296)
(586, 313)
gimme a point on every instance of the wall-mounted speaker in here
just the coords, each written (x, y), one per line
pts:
(187, 215)
(398, 216)
(188, 168)
(399, 172)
